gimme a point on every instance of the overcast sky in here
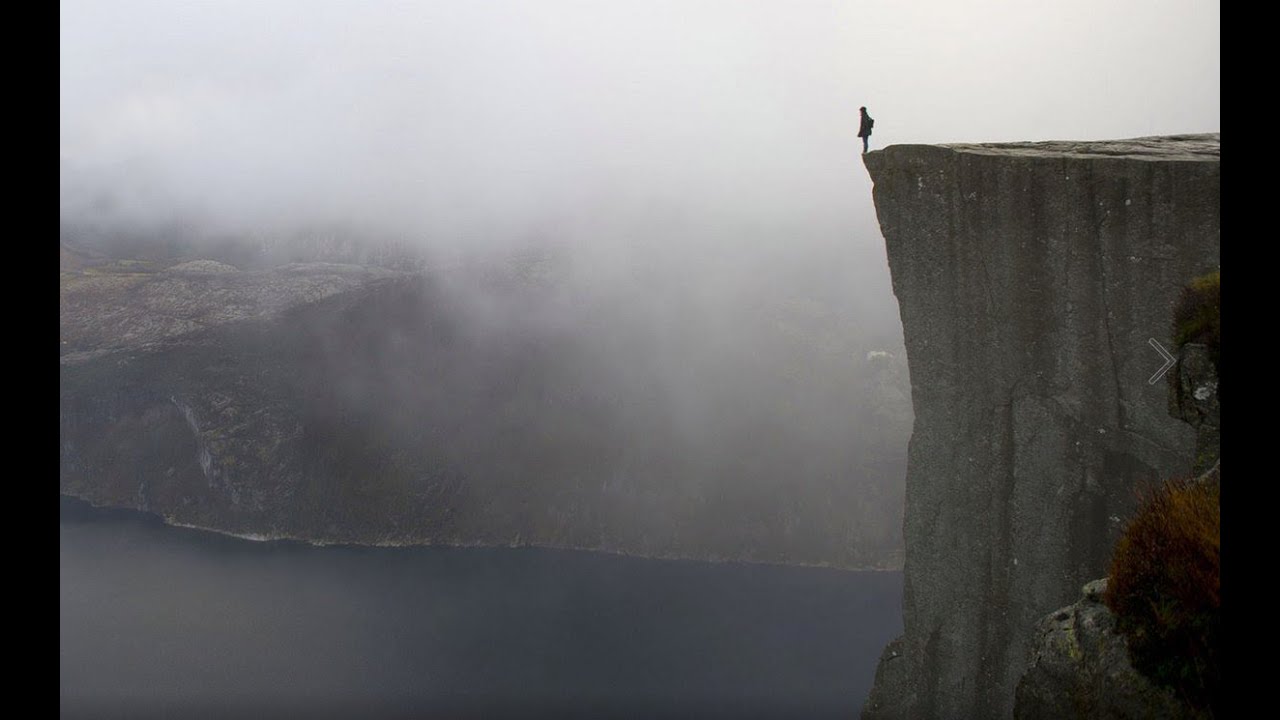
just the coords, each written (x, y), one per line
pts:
(473, 119)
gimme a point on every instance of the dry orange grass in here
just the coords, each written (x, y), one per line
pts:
(1165, 588)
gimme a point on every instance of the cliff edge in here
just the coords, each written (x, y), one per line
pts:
(1031, 278)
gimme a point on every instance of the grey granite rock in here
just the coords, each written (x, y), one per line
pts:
(1080, 669)
(1030, 278)
(1193, 398)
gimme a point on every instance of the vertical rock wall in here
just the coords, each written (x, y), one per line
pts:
(1030, 279)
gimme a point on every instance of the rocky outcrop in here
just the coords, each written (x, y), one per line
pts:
(1080, 668)
(1030, 279)
(1193, 398)
(1080, 661)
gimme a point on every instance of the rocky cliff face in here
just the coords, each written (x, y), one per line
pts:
(1030, 279)
(1193, 398)
(1080, 669)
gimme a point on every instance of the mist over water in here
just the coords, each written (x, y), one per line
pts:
(657, 207)
(650, 221)
(154, 618)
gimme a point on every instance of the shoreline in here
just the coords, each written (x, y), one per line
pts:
(319, 543)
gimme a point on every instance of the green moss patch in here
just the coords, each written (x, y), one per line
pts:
(1197, 318)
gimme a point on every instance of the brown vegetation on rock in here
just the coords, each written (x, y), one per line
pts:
(1165, 588)
(1197, 318)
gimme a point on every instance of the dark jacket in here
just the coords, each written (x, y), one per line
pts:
(864, 130)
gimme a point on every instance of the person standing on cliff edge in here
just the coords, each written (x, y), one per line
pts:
(864, 129)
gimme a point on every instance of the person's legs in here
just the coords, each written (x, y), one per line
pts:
(865, 138)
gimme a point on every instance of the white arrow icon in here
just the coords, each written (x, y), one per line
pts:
(1169, 360)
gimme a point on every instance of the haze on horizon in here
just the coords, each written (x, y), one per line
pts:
(469, 123)
(689, 172)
